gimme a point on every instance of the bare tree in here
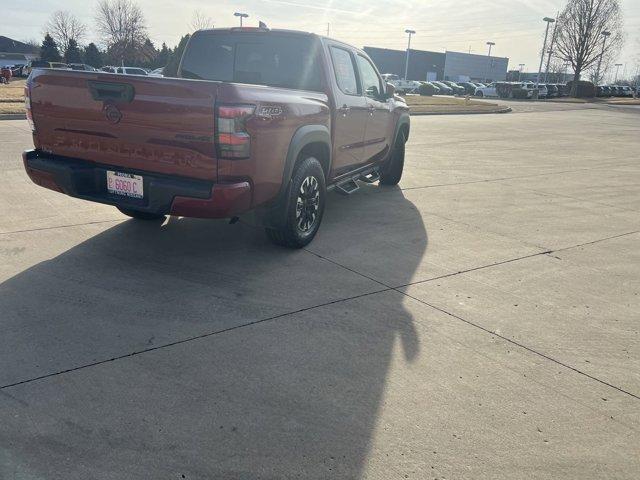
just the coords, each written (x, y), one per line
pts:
(200, 21)
(598, 72)
(122, 26)
(580, 33)
(557, 70)
(63, 27)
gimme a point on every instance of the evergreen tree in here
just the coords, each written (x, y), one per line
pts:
(171, 70)
(149, 54)
(163, 56)
(49, 50)
(92, 56)
(72, 53)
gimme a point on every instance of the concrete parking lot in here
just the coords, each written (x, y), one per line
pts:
(479, 322)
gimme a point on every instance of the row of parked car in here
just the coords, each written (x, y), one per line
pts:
(617, 91)
(522, 90)
(25, 70)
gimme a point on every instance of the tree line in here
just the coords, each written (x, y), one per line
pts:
(588, 36)
(123, 38)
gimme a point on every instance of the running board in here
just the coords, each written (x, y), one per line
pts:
(371, 177)
(348, 187)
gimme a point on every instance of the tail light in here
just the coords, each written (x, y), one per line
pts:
(27, 107)
(232, 138)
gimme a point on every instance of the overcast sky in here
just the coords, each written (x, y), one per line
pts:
(515, 26)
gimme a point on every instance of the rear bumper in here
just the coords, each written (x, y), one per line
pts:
(163, 194)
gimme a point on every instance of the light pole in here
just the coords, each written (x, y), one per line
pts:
(241, 15)
(553, 39)
(544, 48)
(618, 65)
(406, 62)
(605, 35)
(491, 44)
(521, 65)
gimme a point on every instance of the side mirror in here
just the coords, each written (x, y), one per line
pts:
(391, 90)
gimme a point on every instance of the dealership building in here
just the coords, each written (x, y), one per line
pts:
(429, 66)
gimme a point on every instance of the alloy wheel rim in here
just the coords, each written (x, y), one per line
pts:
(308, 204)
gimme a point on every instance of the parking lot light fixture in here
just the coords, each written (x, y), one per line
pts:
(521, 65)
(406, 61)
(605, 35)
(486, 77)
(241, 15)
(617, 65)
(549, 21)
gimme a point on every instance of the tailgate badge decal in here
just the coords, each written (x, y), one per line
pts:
(269, 111)
(113, 114)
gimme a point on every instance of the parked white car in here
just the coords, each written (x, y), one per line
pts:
(131, 71)
(488, 91)
(406, 86)
(542, 91)
(158, 72)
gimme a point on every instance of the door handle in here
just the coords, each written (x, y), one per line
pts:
(344, 110)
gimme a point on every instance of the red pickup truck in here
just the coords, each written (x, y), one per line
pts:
(259, 122)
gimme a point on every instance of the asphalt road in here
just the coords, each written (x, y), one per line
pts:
(480, 322)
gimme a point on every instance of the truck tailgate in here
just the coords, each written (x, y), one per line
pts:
(160, 125)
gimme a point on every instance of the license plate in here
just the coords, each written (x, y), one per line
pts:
(125, 184)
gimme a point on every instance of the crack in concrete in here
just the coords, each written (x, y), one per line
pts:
(386, 288)
(97, 222)
(187, 340)
(517, 177)
(486, 330)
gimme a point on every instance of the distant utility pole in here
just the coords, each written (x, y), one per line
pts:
(521, 65)
(544, 48)
(618, 65)
(605, 35)
(406, 62)
(491, 44)
(328, 28)
(241, 15)
(553, 40)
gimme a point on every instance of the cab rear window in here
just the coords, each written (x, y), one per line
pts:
(256, 58)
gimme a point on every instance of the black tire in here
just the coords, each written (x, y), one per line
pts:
(391, 172)
(480, 94)
(138, 215)
(306, 198)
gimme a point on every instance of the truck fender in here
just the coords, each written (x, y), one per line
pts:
(304, 136)
(402, 121)
(273, 215)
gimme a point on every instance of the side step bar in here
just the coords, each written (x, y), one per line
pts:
(371, 177)
(347, 187)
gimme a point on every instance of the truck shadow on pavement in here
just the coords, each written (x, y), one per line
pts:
(195, 349)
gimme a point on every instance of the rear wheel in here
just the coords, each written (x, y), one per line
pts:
(391, 172)
(306, 200)
(138, 215)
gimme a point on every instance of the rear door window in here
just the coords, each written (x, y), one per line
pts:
(345, 71)
(286, 61)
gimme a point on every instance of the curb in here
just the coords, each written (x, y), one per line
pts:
(13, 116)
(490, 112)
